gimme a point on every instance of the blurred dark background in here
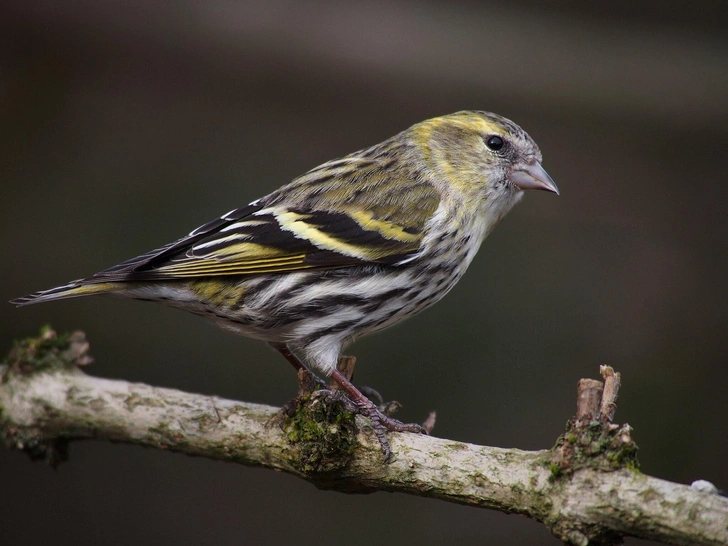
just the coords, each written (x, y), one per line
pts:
(125, 126)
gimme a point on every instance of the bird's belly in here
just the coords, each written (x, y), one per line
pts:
(424, 294)
(301, 307)
(359, 304)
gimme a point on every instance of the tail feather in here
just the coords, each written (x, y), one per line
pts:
(71, 290)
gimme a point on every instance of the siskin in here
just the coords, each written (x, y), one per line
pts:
(349, 248)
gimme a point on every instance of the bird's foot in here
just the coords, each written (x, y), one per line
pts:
(387, 408)
(381, 423)
(343, 391)
(381, 420)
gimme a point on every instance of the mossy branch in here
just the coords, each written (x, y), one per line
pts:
(586, 489)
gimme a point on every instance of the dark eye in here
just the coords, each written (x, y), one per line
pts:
(495, 143)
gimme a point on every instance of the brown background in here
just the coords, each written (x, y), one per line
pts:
(125, 127)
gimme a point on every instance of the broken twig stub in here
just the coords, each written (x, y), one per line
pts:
(591, 439)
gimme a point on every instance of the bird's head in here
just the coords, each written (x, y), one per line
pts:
(482, 156)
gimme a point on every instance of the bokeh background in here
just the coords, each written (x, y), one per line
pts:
(125, 125)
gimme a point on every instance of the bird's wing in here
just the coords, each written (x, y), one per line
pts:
(316, 222)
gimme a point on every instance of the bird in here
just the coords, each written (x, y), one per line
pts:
(347, 249)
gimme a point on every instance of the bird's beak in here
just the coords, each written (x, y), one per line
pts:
(532, 176)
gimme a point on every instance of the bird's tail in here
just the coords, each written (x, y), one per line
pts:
(71, 290)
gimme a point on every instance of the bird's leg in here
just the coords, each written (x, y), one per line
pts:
(307, 380)
(288, 355)
(379, 420)
(345, 365)
(300, 367)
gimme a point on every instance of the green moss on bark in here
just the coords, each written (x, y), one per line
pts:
(594, 444)
(321, 432)
(47, 352)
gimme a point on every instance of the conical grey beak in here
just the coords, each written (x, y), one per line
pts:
(533, 177)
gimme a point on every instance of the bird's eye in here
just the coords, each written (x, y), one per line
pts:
(495, 143)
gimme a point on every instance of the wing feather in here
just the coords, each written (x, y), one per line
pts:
(362, 215)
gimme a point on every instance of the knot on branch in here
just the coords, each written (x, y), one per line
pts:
(48, 352)
(320, 426)
(591, 439)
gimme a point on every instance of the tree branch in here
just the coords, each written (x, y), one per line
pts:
(586, 489)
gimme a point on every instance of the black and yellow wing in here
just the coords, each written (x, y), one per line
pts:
(347, 212)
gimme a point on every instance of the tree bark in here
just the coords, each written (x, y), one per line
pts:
(587, 489)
